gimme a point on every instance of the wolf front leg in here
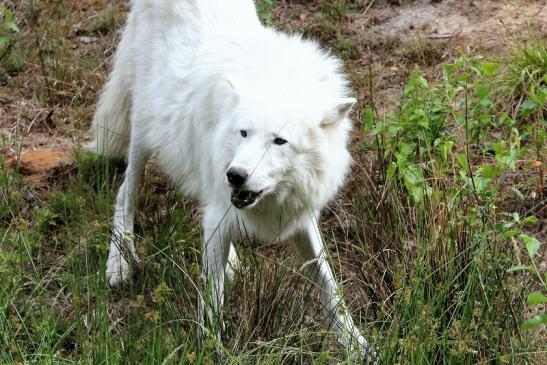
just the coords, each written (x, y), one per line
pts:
(311, 248)
(214, 254)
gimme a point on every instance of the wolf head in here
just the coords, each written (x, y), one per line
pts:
(286, 150)
(284, 127)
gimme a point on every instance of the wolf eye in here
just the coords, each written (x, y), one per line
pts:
(243, 133)
(279, 141)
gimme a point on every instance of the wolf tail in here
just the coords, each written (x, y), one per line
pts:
(111, 125)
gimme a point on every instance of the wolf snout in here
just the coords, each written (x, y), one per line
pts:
(237, 176)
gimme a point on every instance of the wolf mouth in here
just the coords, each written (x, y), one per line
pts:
(244, 198)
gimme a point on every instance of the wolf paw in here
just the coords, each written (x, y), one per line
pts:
(117, 270)
(364, 351)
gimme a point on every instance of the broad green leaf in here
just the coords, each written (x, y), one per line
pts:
(448, 70)
(12, 26)
(463, 78)
(422, 81)
(414, 181)
(9, 22)
(392, 128)
(460, 119)
(535, 322)
(482, 91)
(446, 149)
(478, 71)
(379, 128)
(518, 268)
(490, 68)
(416, 192)
(531, 219)
(508, 234)
(540, 97)
(413, 175)
(505, 119)
(488, 171)
(508, 160)
(532, 244)
(527, 107)
(487, 103)
(368, 119)
(536, 298)
(462, 159)
(406, 149)
(391, 170)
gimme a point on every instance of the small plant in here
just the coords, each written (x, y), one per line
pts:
(8, 28)
(11, 198)
(334, 10)
(513, 229)
(418, 141)
(347, 48)
(525, 69)
(264, 10)
(415, 135)
(45, 219)
(104, 22)
(423, 51)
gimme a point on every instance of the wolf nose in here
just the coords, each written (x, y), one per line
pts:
(236, 176)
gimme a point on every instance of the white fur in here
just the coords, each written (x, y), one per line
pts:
(188, 77)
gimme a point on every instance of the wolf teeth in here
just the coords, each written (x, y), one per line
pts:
(244, 198)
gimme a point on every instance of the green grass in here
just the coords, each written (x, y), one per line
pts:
(56, 304)
(525, 67)
(435, 241)
(264, 10)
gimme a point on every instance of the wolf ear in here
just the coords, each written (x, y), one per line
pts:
(227, 91)
(228, 84)
(339, 112)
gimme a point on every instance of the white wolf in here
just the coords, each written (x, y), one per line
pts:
(251, 122)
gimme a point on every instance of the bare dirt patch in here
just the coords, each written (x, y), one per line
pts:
(393, 39)
(56, 66)
(479, 22)
(35, 165)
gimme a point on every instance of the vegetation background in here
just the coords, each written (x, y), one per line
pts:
(437, 236)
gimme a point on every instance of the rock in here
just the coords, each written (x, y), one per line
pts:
(87, 40)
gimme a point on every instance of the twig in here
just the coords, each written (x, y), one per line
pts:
(441, 36)
(469, 168)
(368, 8)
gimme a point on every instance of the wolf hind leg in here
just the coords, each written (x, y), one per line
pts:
(111, 124)
(121, 243)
